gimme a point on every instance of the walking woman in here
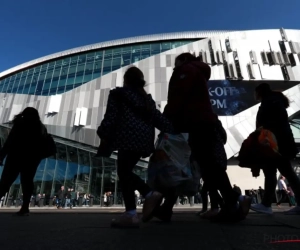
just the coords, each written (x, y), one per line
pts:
(272, 115)
(129, 127)
(190, 110)
(22, 150)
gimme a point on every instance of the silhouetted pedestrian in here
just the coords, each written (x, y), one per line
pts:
(23, 150)
(272, 115)
(129, 127)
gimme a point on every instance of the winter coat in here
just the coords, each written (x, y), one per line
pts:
(272, 115)
(24, 140)
(130, 121)
(189, 105)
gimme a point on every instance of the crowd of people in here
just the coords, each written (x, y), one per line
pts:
(129, 127)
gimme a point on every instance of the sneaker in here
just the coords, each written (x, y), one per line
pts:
(260, 208)
(150, 204)
(293, 211)
(210, 214)
(244, 206)
(126, 221)
(201, 212)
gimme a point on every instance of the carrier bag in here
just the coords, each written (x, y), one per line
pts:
(169, 166)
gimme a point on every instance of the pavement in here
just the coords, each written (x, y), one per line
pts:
(90, 229)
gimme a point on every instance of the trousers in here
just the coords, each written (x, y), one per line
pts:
(25, 166)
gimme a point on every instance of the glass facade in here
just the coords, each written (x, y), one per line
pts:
(64, 74)
(74, 168)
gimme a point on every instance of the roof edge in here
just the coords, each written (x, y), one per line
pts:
(117, 42)
(124, 41)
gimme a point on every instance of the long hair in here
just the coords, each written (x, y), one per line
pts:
(285, 99)
(134, 78)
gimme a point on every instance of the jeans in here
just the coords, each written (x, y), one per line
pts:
(285, 168)
(26, 166)
(129, 181)
(68, 203)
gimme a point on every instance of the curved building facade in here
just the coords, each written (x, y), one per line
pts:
(70, 90)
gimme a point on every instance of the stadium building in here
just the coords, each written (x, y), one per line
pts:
(70, 91)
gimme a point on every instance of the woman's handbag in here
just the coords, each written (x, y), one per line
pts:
(48, 146)
(105, 149)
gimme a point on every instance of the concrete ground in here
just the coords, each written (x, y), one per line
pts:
(90, 229)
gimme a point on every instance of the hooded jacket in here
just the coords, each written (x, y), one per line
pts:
(189, 104)
(130, 121)
(272, 115)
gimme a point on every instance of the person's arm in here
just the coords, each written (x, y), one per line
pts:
(162, 123)
(109, 122)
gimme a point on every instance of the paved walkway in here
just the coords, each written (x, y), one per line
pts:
(72, 229)
(114, 209)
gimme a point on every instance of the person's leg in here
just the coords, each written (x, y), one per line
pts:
(214, 199)
(213, 170)
(27, 175)
(219, 180)
(204, 197)
(286, 169)
(269, 193)
(9, 175)
(282, 197)
(165, 211)
(128, 180)
(270, 185)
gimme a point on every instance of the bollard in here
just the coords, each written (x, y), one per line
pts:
(80, 201)
(91, 201)
(41, 202)
(9, 202)
(192, 201)
(32, 203)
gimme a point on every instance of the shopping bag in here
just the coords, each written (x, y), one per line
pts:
(169, 166)
(258, 149)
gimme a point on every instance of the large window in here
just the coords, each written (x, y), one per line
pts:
(65, 74)
(75, 169)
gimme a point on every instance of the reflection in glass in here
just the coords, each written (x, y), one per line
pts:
(82, 184)
(38, 179)
(49, 176)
